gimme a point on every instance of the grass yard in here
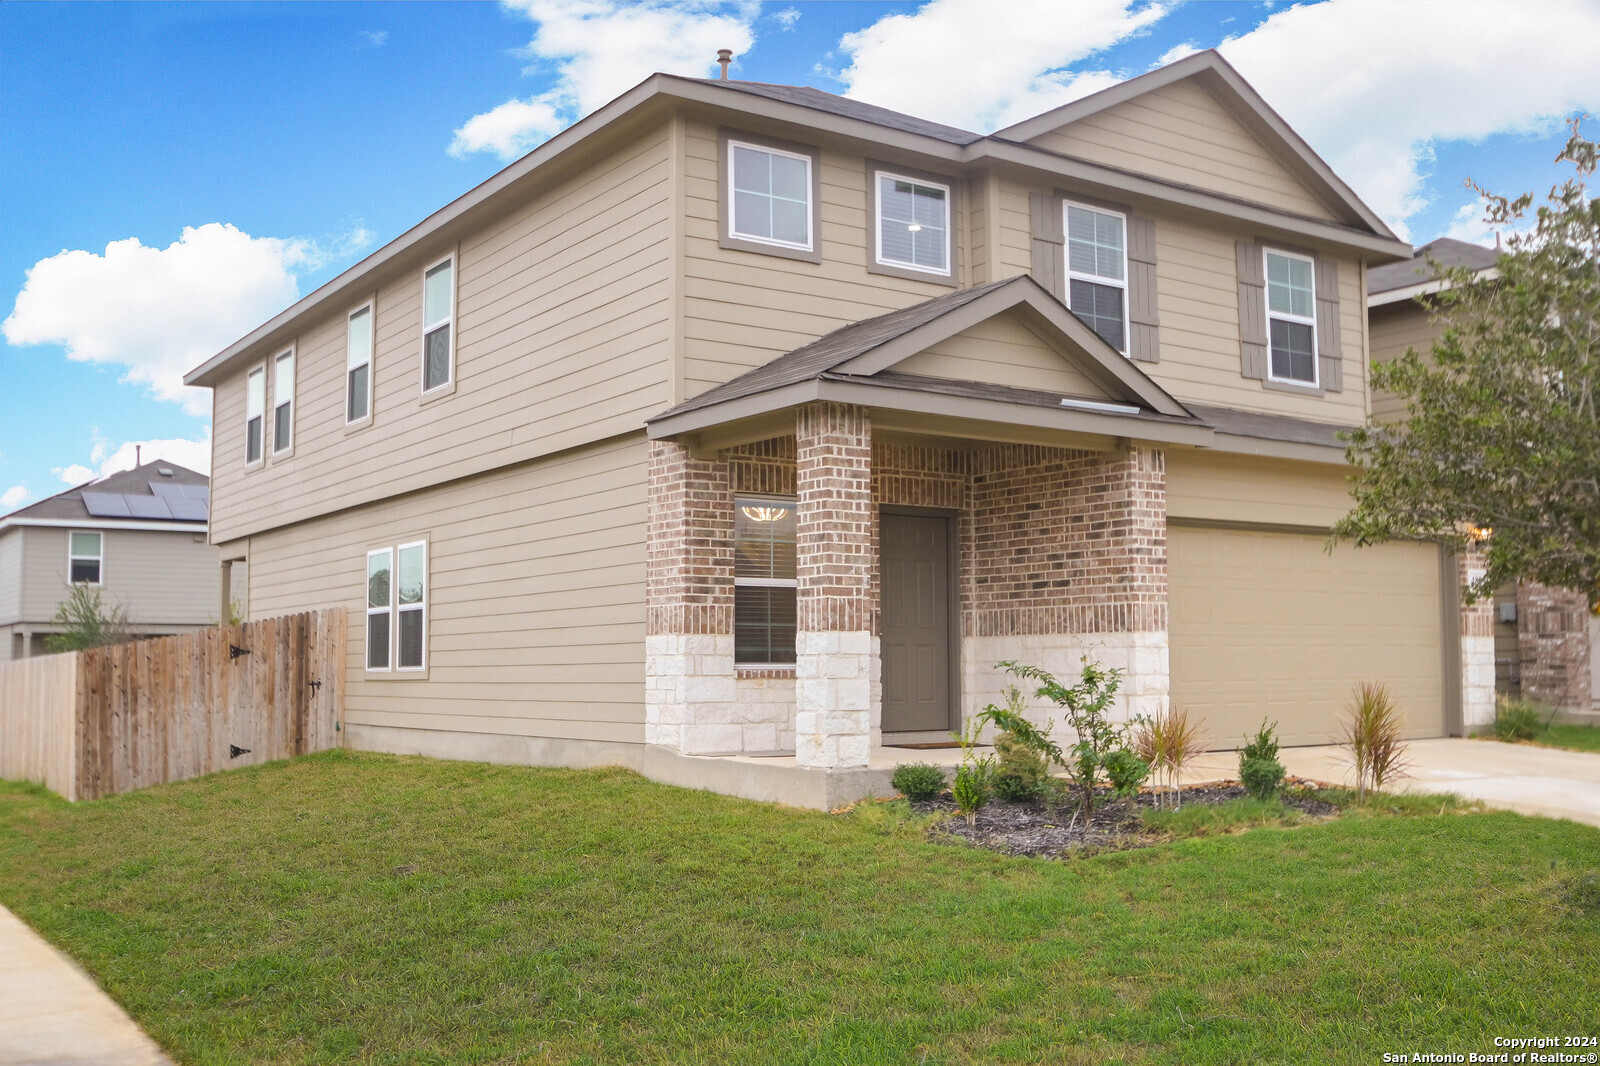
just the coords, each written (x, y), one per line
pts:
(367, 908)
(1575, 737)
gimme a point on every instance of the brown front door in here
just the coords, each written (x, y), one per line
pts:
(915, 577)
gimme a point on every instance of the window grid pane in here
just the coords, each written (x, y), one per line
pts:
(378, 568)
(1100, 307)
(283, 379)
(771, 196)
(1293, 356)
(86, 544)
(358, 394)
(378, 640)
(358, 342)
(410, 655)
(282, 427)
(85, 571)
(436, 294)
(903, 205)
(763, 624)
(1289, 286)
(252, 439)
(436, 358)
(1095, 243)
(764, 539)
(410, 586)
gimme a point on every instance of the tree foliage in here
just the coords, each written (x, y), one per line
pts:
(1502, 443)
(87, 622)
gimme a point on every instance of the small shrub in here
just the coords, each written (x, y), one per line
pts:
(1016, 789)
(972, 787)
(1126, 772)
(87, 622)
(1086, 708)
(1516, 719)
(918, 780)
(1023, 764)
(1259, 767)
(1374, 734)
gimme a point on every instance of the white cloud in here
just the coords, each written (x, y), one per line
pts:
(108, 458)
(1012, 61)
(1373, 87)
(598, 49)
(1177, 52)
(14, 497)
(375, 38)
(158, 312)
(787, 17)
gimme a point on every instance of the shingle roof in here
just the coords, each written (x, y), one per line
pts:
(1447, 250)
(840, 346)
(818, 100)
(1270, 427)
(69, 505)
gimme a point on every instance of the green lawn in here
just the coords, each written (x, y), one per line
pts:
(267, 915)
(1576, 737)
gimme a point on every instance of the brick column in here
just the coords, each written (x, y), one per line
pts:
(837, 665)
(1138, 526)
(689, 675)
(1477, 648)
(1553, 639)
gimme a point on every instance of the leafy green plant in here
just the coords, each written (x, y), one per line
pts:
(87, 622)
(975, 776)
(1375, 734)
(1022, 750)
(918, 780)
(1167, 742)
(1126, 771)
(1085, 709)
(1517, 719)
(1259, 767)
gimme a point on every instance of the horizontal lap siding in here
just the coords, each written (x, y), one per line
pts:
(563, 337)
(1394, 329)
(10, 578)
(1219, 487)
(1004, 351)
(536, 592)
(1181, 133)
(743, 309)
(161, 578)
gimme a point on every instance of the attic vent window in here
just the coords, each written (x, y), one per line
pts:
(164, 471)
(1096, 405)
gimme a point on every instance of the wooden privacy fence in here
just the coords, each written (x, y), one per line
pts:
(95, 723)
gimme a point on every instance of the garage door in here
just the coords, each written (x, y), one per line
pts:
(1270, 625)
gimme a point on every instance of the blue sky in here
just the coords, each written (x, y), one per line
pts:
(253, 151)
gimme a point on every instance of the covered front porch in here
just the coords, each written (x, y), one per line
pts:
(839, 556)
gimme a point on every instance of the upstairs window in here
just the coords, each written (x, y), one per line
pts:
(913, 224)
(763, 580)
(1097, 271)
(438, 319)
(358, 365)
(255, 407)
(85, 552)
(771, 201)
(283, 402)
(1291, 318)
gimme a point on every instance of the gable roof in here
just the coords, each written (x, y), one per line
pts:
(1415, 273)
(864, 354)
(824, 112)
(68, 507)
(1241, 100)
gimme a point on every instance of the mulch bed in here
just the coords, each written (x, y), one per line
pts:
(1033, 829)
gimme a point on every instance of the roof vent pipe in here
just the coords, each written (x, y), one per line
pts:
(724, 57)
(138, 459)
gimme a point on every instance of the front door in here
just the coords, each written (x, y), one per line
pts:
(915, 585)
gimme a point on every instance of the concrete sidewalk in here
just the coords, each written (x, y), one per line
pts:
(1517, 777)
(53, 1014)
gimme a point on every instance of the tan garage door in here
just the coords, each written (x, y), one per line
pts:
(1271, 625)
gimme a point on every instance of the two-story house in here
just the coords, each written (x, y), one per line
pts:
(1546, 641)
(748, 420)
(137, 537)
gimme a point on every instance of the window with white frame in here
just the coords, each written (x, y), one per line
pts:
(358, 365)
(1097, 271)
(380, 607)
(397, 606)
(764, 580)
(438, 322)
(771, 201)
(283, 402)
(913, 223)
(255, 408)
(85, 557)
(1291, 317)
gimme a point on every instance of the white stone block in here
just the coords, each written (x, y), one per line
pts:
(845, 723)
(760, 737)
(856, 642)
(814, 694)
(707, 739)
(852, 695)
(854, 751)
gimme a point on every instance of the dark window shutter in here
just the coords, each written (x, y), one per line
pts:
(1144, 342)
(1330, 357)
(1252, 310)
(1049, 244)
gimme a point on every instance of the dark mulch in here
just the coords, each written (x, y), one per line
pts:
(1032, 828)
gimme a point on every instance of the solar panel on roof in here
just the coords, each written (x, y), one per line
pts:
(189, 510)
(148, 507)
(106, 505)
(199, 492)
(167, 489)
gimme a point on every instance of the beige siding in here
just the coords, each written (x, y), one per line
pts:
(168, 582)
(1218, 487)
(536, 585)
(1395, 328)
(10, 575)
(564, 337)
(1181, 133)
(1004, 351)
(743, 309)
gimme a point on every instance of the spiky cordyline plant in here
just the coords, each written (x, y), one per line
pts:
(1167, 742)
(1374, 731)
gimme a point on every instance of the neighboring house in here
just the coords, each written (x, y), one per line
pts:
(747, 419)
(138, 537)
(1546, 641)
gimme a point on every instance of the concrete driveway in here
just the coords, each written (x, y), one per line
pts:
(1517, 777)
